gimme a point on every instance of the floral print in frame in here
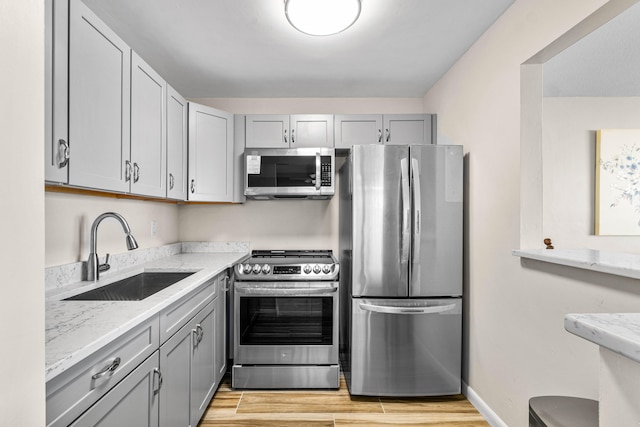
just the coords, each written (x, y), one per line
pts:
(617, 182)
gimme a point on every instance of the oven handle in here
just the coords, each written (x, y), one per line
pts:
(280, 291)
(318, 172)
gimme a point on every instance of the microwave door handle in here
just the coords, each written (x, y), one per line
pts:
(318, 177)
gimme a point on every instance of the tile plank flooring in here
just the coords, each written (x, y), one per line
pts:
(334, 408)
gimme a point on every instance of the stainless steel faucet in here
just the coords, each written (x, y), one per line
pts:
(93, 264)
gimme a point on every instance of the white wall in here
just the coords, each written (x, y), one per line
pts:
(569, 147)
(22, 214)
(515, 343)
(310, 224)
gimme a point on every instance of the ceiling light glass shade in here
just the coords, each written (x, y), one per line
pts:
(321, 17)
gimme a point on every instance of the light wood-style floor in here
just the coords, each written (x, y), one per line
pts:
(334, 408)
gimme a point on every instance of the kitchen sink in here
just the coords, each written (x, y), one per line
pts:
(134, 288)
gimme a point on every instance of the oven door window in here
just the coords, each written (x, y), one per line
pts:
(286, 320)
(286, 171)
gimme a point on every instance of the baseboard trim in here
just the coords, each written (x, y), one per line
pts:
(492, 418)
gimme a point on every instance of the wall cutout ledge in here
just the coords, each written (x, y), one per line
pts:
(616, 263)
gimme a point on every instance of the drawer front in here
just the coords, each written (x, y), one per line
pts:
(73, 391)
(179, 313)
(133, 402)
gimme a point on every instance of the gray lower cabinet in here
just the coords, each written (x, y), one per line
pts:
(187, 363)
(133, 402)
(163, 372)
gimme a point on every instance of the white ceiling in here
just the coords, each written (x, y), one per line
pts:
(246, 48)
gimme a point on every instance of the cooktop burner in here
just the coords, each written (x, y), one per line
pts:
(289, 265)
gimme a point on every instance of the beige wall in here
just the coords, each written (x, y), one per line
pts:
(22, 401)
(69, 217)
(515, 343)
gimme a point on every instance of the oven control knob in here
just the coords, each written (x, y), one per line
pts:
(326, 269)
(307, 269)
(266, 269)
(247, 268)
(256, 269)
(316, 269)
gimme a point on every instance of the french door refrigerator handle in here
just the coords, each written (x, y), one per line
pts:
(406, 310)
(406, 213)
(417, 208)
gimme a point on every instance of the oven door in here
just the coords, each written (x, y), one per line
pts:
(289, 173)
(286, 323)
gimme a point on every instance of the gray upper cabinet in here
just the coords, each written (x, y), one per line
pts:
(99, 107)
(396, 129)
(356, 129)
(56, 150)
(148, 130)
(409, 129)
(210, 154)
(176, 145)
(284, 131)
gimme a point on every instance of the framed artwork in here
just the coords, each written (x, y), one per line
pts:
(617, 182)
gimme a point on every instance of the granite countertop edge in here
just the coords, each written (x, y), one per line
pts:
(618, 332)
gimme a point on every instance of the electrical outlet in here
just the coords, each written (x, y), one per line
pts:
(154, 227)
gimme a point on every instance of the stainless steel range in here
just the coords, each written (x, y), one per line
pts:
(286, 320)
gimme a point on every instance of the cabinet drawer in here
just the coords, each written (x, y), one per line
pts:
(133, 402)
(73, 391)
(179, 313)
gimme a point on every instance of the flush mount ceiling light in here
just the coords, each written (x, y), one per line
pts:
(321, 17)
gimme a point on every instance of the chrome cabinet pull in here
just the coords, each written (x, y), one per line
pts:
(193, 186)
(108, 370)
(285, 137)
(199, 334)
(156, 371)
(64, 154)
(127, 170)
(388, 134)
(171, 181)
(379, 135)
(293, 136)
(136, 172)
(226, 286)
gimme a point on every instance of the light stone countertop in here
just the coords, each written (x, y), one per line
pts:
(76, 329)
(618, 332)
(618, 263)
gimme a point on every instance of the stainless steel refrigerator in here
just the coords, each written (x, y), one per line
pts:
(401, 269)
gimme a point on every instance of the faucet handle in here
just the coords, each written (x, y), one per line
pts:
(105, 266)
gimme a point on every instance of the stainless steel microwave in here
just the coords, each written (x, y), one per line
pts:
(295, 173)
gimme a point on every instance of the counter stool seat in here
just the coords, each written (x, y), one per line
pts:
(562, 411)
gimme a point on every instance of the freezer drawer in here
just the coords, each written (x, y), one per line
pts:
(405, 347)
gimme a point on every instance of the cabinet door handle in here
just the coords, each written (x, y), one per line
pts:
(108, 370)
(171, 181)
(285, 137)
(293, 136)
(199, 334)
(127, 170)
(388, 134)
(63, 153)
(379, 135)
(226, 286)
(193, 186)
(156, 371)
(136, 172)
